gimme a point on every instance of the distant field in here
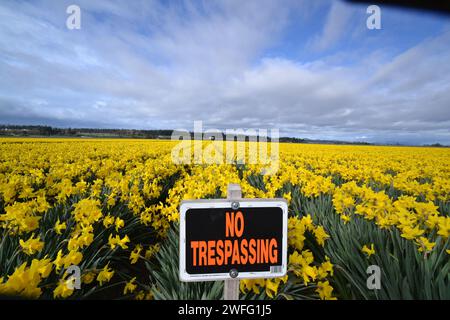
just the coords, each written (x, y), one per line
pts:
(111, 207)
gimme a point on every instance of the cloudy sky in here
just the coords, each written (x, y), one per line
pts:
(310, 68)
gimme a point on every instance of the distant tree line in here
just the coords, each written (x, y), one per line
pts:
(38, 130)
(48, 131)
(292, 140)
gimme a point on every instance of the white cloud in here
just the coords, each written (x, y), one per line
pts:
(335, 27)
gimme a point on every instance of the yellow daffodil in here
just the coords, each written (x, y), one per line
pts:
(116, 241)
(345, 217)
(88, 277)
(271, 287)
(140, 295)
(152, 250)
(321, 235)
(135, 254)
(411, 233)
(119, 223)
(59, 226)
(108, 221)
(24, 281)
(59, 261)
(105, 275)
(130, 286)
(73, 258)
(32, 245)
(87, 211)
(43, 267)
(425, 245)
(325, 290)
(368, 251)
(64, 289)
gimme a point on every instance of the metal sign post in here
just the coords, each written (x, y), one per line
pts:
(231, 286)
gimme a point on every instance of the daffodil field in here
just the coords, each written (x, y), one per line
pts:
(111, 208)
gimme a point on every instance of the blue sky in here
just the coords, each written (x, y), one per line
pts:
(309, 68)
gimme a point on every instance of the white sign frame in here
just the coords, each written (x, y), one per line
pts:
(225, 203)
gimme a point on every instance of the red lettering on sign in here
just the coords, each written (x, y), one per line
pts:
(273, 251)
(202, 253)
(219, 251)
(239, 220)
(236, 257)
(251, 246)
(244, 256)
(211, 253)
(228, 252)
(234, 224)
(194, 247)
